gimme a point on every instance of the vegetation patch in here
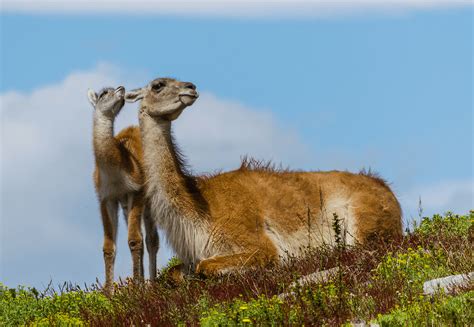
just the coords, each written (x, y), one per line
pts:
(381, 282)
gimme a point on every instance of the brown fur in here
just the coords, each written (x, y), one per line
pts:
(124, 151)
(253, 214)
(240, 200)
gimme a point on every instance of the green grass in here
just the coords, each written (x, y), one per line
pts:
(380, 283)
(25, 306)
(442, 310)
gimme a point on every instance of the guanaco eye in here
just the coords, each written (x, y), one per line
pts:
(158, 86)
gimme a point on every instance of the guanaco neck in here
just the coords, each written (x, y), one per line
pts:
(106, 149)
(167, 180)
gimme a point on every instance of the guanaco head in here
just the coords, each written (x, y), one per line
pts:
(164, 98)
(109, 101)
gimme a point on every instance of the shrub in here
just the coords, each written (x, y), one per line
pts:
(409, 270)
(439, 311)
(240, 313)
(449, 225)
(22, 306)
(310, 305)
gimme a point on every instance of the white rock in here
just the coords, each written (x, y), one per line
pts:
(446, 283)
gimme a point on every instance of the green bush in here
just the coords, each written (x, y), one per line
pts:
(439, 311)
(412, 266)
(450, 237)
(23, 306)
(449, 225)
(409, 270)
(58, 319)
(263, 310)
(315, 301)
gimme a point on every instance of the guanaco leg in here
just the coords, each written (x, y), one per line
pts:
(134, 212)
(152, 241)
(109, 215)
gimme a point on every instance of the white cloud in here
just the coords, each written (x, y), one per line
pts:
(227, 8)
(49, 209)
(48, 204)
(454, 195)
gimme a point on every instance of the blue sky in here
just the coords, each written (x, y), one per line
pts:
(391, 90)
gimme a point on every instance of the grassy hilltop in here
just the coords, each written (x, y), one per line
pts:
(382, 283)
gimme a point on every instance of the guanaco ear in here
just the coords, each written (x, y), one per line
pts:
(134, 95)
(92, 97)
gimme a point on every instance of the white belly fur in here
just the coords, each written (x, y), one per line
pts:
(321, 231)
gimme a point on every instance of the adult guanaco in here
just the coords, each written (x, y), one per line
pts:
(254, 215)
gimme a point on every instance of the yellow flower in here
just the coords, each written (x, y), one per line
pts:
(244, 307)
(246, 320)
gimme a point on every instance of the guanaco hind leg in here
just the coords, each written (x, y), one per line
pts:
(152, 241)
(108, 210)
(135, 206)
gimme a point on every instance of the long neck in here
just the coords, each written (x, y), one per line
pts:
(175, 201)
(167, 181)
(105, 146)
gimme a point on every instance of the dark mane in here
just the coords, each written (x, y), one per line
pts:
(247, 164)
(252, 164)
(191, 182)
(375, 176)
